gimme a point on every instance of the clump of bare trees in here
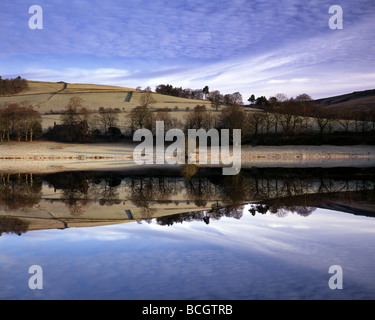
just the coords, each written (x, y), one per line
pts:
(12, 86)
(80, 124)
(300, 117)
(21, 123)
(283, 120)
(219, 100)
(107, 118)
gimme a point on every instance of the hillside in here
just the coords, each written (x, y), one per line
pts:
(52, 97)
(356, 101)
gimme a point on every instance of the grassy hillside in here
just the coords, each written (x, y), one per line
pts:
(356, 101)
(52, 97)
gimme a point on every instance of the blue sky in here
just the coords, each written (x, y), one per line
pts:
(260, 47)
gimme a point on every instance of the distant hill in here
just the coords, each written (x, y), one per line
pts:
(356, 101)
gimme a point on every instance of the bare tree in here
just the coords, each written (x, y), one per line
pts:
(269, 121)
(216, 98)
(72, 114)
(200, 118)
(146, 100)
(169, 121)
(288, 117)
(344, 119)
(364, 121)
(4, 125)
(233, 117)
(141, 118)
(305, 108)
(322, 118)
(303, 98)
(256, 121)
(281, 97)
(108, 118)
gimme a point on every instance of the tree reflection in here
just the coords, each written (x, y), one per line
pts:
(272, 191)
(13, 225)
(200, 190)
(234, 190)
(145, 191)
(75, 189)
(80, 189)
(20, 191)
(280, 210)
(205, 216)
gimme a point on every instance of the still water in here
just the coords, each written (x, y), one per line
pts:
(266, 234)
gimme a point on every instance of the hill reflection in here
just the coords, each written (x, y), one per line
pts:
(83, 199)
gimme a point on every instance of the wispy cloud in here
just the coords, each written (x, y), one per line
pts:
(251, 46)
(78, 75)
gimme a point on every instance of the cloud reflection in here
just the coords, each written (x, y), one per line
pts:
(255, 257)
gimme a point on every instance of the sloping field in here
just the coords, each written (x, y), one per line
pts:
(52, 97)
(356, 101)
(77, 88)
(361, 104)
(41, 87)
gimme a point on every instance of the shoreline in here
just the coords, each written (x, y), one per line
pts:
(45, 157)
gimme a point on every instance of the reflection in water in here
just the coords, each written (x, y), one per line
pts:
(281, 211)
(12, 225)
(20, 191)
(205, 216)
(33, 202)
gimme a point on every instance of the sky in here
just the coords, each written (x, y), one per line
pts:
(248, 46)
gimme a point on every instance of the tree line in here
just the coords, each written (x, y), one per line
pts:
(12, 86)
(301, 116)
(78, 124)
(217, 99)
(180, 92)
(281, 120)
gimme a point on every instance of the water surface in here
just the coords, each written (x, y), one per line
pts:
(141, 237)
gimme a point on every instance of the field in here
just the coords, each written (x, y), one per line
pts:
(50, 98)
